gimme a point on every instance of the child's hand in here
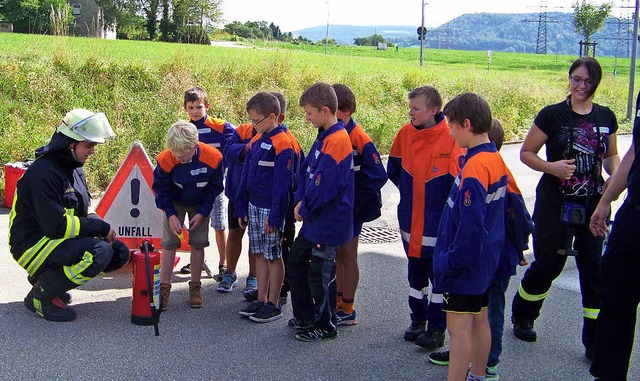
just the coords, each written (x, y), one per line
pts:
(175, 226)
(267, 228)
(242, 221)
(195, 221)
(297, 215)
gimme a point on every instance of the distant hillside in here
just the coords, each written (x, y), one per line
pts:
(516, 32)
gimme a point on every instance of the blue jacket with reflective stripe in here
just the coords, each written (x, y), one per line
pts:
(369, 172)
(267, 176)
(326, 188)
(214, 132)
(473, 230)
(196, 183)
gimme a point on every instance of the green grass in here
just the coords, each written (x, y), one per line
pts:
(140, 86)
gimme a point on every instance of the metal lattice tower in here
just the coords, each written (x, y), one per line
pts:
(541, 42)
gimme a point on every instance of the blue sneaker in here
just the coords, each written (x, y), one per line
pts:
(491, 374)
(229, 280)
(345, 318)
(251, 289)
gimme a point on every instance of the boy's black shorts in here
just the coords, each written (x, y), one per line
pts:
(464, 303)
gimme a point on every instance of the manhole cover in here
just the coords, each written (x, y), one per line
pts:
(374, 234)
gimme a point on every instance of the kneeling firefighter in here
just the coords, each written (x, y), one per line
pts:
(51, 234)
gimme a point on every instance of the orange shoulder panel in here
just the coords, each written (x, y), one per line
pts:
(245, 130)
(253, 139)
(296, 145)
(487, 167)
(338, 145)
(402, 139)
(281, 142)
(166, 160)
(210, 155)
(215, 123)
(359, 138)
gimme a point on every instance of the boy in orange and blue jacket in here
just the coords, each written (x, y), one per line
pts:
(214, 132)
(324, 202)
(186, 181)
(423, 164)
(262, 201)
(369, 176)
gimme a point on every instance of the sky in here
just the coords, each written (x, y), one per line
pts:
(291, 15)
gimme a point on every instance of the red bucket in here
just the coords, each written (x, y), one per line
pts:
(12, 173)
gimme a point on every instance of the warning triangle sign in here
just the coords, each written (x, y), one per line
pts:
(128, 204)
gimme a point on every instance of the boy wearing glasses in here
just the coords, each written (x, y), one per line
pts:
(262, 202)
(186, 181)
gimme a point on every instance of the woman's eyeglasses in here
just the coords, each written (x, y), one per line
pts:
(576, 81)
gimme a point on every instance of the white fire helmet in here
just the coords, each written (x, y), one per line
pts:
(84, 125)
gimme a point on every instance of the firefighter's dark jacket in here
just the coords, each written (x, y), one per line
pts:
(47, 208)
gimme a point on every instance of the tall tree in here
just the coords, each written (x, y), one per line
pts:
(165, 23)
(588, 19)
(150, 9)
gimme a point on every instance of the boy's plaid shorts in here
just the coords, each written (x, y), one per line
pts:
(260, 242)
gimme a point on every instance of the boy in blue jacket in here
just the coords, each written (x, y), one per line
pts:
(214, 132)
(519, 227)
(235, 151)
(472, 236)
(324, 203)
(186, 180)
(263, 200)
(370, 177)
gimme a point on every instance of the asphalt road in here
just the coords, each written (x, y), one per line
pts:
(214, 342)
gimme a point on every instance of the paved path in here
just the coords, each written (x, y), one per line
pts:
(214, 342)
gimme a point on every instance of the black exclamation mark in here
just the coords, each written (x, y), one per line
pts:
(135, 197)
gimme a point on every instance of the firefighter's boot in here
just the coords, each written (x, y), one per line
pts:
(39, 302)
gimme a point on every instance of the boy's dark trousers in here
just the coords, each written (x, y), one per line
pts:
(312, 272)
(289, 234)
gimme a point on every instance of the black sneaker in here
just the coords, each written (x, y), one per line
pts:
(431, 339)
(299, 324)
(34, 303)
(523, 330)
(439, 358)
(316, 334)
(268, 312)
(252, 308)
(186, 269)
(415, 329)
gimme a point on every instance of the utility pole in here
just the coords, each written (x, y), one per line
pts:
(634, 53)
(422, 36)
(541, 42)
(326, 36)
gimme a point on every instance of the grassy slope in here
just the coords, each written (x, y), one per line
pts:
(140, 85)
